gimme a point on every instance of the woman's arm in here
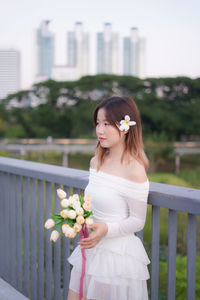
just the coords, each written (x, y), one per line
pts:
(137, 206)
(136, 203)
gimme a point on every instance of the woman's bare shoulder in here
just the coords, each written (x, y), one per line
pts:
(136, 171)
(93, 162)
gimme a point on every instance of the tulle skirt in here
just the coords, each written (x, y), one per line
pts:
(116, 269)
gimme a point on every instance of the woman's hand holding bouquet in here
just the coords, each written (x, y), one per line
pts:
(73, 218)
(100, 229)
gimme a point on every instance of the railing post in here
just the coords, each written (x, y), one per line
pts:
(2, 225)
(177, 163)
(172, 236)
(76, 239)
(18, 195)
(10, 227)
(155, 239)
(48, 246)
(191, 256)
(65, 255)
(2, 221)
(26, 224)
(65, 159)
(40, 285)
(33, 241)
(57, 265)
(140, 234)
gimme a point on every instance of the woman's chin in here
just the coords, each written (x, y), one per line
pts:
(103, 144)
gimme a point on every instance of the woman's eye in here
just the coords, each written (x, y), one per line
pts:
(106, 124)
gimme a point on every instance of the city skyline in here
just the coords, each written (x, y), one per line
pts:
(109, 57)
(171, 30)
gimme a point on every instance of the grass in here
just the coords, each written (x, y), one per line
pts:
(167, 178)
(181, 278)
(187, 178)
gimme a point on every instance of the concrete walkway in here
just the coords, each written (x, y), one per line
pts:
(7, 292)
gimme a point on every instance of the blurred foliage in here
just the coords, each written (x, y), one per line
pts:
(181, 278)
(168, 178)
(4, 154)
(47, 157)
(158, 152)
(187, 178)
(80, 160)
(169, 107)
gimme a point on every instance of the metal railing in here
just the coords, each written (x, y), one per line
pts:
(39, 269)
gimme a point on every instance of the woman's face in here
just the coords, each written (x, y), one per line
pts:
(107, 134)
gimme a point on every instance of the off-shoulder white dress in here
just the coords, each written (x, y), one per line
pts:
(116, 268)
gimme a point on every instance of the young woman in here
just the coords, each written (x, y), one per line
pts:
(116, 261)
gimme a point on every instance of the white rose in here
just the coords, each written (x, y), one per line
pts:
(80, 220)
(89, 221)
(76, 204)
(61, 194)
(86, 205)
(64, 203)
(70, 232)
(64, 213)
(71, 214)
(79, 211)
(76, 197)
(54, 235)
(87, 198)
(77, 227)
(64, 227)
(49, 223)
(71, 200)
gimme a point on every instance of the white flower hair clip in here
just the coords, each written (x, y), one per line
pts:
(126, 123)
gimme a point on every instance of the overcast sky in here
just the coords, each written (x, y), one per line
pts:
(171, 29)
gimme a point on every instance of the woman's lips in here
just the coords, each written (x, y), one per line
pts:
(102, 139)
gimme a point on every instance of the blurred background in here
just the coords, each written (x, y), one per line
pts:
(59, 58)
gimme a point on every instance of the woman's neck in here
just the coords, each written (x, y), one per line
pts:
(115, 153)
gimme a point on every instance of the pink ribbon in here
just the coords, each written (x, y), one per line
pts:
(84, 233)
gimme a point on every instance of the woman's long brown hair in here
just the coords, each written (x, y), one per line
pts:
(116, 108)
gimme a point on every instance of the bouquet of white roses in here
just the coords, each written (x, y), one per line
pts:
(74, 216)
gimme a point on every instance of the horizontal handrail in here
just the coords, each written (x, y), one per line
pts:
(45, 172)
(163, 195)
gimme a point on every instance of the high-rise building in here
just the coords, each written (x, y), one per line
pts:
(78, 49)
(127, 56)
(100, 53)
(45, 45)
(142, 57)
(134, 54)
(10, 71)
(134, 51)
(107, 51)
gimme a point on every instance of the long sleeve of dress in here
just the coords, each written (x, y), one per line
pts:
(137, 207)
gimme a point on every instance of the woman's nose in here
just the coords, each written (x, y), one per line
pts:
(100, 129)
